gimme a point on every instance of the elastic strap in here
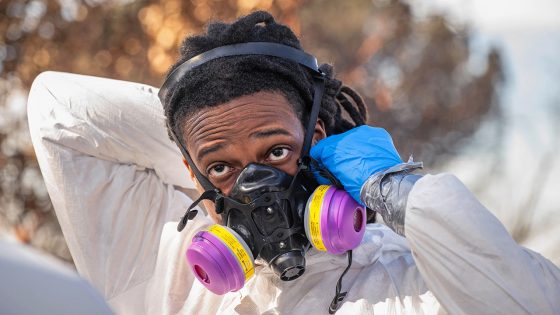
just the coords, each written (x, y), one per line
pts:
(339, 296)
(251, 48)
(206, 184)
(318, 91)
(191, 212)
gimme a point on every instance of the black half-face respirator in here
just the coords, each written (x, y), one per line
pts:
(270, 215)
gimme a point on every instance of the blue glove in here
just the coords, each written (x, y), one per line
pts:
(355, 155)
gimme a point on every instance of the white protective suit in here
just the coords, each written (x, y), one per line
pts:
(117, 182)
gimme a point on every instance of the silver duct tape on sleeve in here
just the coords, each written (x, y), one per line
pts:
(387, 192)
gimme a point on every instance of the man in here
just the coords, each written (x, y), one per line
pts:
(115, 182)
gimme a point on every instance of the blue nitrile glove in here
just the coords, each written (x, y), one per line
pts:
(355, 155)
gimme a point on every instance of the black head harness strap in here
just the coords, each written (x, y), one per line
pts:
(251, 48)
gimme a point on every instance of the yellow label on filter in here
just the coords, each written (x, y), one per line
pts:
(236, 247)
(315, 217)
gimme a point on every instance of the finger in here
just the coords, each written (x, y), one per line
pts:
(317, 151)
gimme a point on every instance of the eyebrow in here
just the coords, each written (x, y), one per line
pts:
(208, 150)
(258, 134)
(269, 133)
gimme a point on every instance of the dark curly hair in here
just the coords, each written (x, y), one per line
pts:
(221, 80)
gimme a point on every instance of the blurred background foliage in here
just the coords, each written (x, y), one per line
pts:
(414, 73)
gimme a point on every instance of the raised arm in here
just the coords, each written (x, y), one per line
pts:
(469, 260)
(465, 255)
(111, 172)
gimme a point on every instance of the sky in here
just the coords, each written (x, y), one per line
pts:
(499, 15)
(528, 35)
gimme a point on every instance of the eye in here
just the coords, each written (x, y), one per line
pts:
(278, 154)
(219, 170)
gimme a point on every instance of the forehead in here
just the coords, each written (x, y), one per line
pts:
(240, 118)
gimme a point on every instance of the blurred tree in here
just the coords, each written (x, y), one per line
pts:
(412, 72)
(134, 41)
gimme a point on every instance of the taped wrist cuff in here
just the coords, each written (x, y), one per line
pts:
(387, 192)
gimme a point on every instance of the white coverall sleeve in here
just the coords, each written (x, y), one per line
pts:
(468, 259)
(111, 172)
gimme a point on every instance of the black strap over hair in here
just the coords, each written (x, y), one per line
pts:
(319, 88)
(251, 48)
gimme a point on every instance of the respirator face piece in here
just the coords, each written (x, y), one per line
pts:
(269, 215)
(273, 216)
(262, 218)
(270, 219)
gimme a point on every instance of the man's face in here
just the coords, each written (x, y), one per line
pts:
(258, 128)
